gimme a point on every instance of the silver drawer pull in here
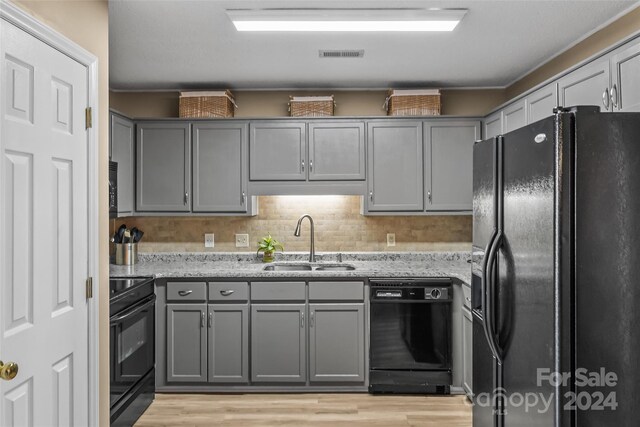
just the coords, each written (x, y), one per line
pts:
(184, 293)
(226, 292)
(468, 299)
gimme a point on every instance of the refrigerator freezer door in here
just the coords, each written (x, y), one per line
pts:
(608, 262)
(525, 289)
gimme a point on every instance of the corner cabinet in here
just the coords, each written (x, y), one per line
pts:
(163, 167)
(448, 148)
(395, 166)
(220, 158)
(122, 150)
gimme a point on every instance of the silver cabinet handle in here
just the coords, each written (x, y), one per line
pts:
(468, 299)
(371, 195)
(186, 197)
(184, 293)
(243, 198)
(226, 292)
(302, 320)
(210, 319)
(202, 319)
(605, 99)
(429, 196)
(303, 166)
(614, 97)
(312, 320)
(310, 165)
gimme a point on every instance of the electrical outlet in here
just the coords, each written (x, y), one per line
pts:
(391, 239)
(242, 240)
(208, 240)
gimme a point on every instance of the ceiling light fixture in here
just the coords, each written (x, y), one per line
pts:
(346, 20)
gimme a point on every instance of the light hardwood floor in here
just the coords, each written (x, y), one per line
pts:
(306, 410)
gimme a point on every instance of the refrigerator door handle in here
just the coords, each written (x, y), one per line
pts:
(489, 321)
(484, 289)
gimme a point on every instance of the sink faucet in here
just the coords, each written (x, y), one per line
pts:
(312, 249)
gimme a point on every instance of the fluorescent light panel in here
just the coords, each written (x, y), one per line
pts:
(336, 20)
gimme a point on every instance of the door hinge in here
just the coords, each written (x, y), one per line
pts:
(89, 286)
(88, 118)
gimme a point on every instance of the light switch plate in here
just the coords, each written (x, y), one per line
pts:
(391, 239)
(242, 240)
(208, 240)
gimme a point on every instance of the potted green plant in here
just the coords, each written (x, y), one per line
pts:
(268, 246)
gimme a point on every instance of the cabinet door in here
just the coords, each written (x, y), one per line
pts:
(278, 151)
(586, 86)
(220, 163)
(336, 151)
(278, 348)
(394, 160)
(540, 104)
(514, 116)
(123, 152)
(186, 343)
(493, 125)
(228, 343)
(336, 342)
(449, 164)
(625, 65)
(467, 351)
(163, 172)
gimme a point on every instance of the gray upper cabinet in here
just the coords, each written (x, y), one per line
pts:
(588, 85)
(122, 151)
(278, 151)
(336, 151)
(220, 157)
(514, 116)
(186, 343)
(493, 125)
(394, 163)
(228, 343)
(625, 66)
(449, 163)
(540, 104)
(278, 343)
(163, 167)
(336, 342)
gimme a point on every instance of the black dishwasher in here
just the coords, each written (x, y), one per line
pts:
(410, 336)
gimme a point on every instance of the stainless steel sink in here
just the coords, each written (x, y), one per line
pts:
(343, 267)
(287, 267)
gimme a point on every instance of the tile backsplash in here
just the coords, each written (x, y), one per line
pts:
(339, 226)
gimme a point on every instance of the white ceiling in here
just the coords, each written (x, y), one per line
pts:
(184, 44)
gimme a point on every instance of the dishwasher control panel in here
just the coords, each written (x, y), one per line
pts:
(411, 290)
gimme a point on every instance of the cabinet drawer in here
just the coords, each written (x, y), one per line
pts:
(334, 291)
(280, 291)
(466, 293)
(186, 291)
(228, 291)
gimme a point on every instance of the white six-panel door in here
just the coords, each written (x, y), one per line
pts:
(43, 233)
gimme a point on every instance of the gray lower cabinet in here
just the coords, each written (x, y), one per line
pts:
(625, 66)
(588, 85)
(448, 164)
(228, 343)
(336, 151)
(467, 352)
(163, 178)
(394, 163)
(186, 343)
(336, 342)
(122, 151)
(277, 151)
(278, 343)
(220, 158)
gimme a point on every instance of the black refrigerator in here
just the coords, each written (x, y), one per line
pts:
(556, 273)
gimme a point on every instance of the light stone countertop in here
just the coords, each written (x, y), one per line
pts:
(242, 264)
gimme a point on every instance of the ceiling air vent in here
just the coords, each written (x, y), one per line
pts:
(342, 53)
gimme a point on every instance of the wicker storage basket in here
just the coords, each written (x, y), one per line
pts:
(207, 104)
(424, 102)
(311, 106)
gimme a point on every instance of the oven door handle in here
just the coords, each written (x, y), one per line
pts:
(133, 310)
